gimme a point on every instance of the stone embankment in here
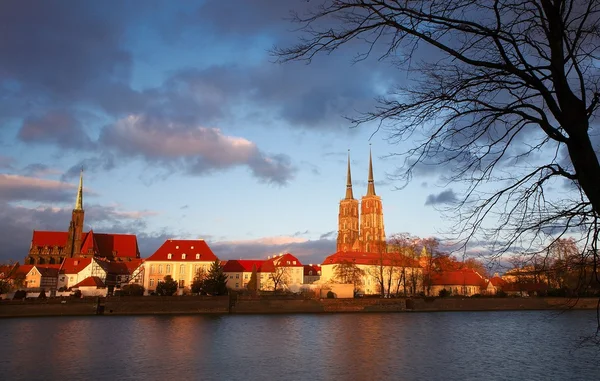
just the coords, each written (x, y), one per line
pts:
(154, 305)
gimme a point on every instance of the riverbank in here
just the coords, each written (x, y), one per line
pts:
(156, 305)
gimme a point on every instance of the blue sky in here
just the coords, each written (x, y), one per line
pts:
(187, 128)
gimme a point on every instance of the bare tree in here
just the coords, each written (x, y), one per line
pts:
(348, 272)
(280, 276)
(508, 97)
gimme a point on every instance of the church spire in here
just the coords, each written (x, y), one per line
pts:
(79, 201)
(349, 194)
(371, 185)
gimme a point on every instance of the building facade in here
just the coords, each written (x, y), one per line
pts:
(180, 259)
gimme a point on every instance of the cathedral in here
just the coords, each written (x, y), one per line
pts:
(50, 247)
(362, 232)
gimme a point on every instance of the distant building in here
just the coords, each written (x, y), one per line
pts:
(465, 282)
(369, 235)
(181, 259)
(312, 273)
(50, 247)
(284, 271)
(42, 277)
(373, 268)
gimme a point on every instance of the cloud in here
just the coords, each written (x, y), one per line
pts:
(58, 127)
(38, 170)
(446, 197)
(6, 162)
(23, 188)
(197, 150)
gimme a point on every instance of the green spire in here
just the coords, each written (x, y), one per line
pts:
(371, 185)
(349, 195)
(79, 201)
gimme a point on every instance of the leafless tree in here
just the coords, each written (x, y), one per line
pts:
(506, 102)
(348, 272)
(280, 276)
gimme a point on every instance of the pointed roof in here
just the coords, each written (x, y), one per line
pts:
(178, 247)
(92, 281)
(349, 195)
(79, 201)
(371, 186)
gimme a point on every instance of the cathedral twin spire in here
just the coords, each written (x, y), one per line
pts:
(371, 182)
(79, 200)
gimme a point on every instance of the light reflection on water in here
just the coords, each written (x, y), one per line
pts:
(533, 345)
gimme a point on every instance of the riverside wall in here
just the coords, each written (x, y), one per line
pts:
(155, 305)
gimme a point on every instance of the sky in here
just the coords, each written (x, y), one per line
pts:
(186, 127)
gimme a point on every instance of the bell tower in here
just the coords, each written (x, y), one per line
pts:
(372, 233)
(75, 236)
(347, 217)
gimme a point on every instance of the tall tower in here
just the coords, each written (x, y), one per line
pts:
(74, 240)
(347, 217)
(372, 233)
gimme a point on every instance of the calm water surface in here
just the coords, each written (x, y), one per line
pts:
(536, 345)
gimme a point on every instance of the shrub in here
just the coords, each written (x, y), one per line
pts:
(132, 290)
(167, 287)
(476, 296)
(21, 294)
(76, 294)
(330, 295)
(443, 293)
(501, 294)
(42, 295)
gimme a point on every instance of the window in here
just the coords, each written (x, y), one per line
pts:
(192, 247)
(182, 256)
(237, 276)
(177, 247)
(294, 262)
(195, 269)
(181, 269)
(151, 282)
(237, 285)
(70, 279)
(231, 277)
(169, 256)
(310, 272)
(288, 262)
(181, 283)
(245, 276)
(197, 256)
(151, 269)
(160, 269)
(168, 269)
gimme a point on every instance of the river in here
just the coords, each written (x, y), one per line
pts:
(507, 345)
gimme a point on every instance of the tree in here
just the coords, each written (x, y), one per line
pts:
(252, 285)
(280, 275)
(428, 261)
(216, 280)
(347, 272)
(166, 287)
(505, 103)
(198, 283)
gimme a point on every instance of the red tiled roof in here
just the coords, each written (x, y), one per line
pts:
(122, 268)
(74, 265)
(284, 260)
(102, 244)
(124, 245)
(314, 268)
(21, 271)
(91, 281)
(47, 270)
(46, 238)
(497, 281)
(360, 258)
(177, 247)
(242, 265)
(465, 277)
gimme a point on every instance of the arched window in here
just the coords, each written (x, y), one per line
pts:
(168, 269)
(151, 269)
(182, 256)
(181, 269)
(169, 256)
(160, 269)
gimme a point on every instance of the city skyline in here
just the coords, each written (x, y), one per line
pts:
(188, 130)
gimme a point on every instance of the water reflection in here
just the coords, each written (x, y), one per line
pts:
(448, 346)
